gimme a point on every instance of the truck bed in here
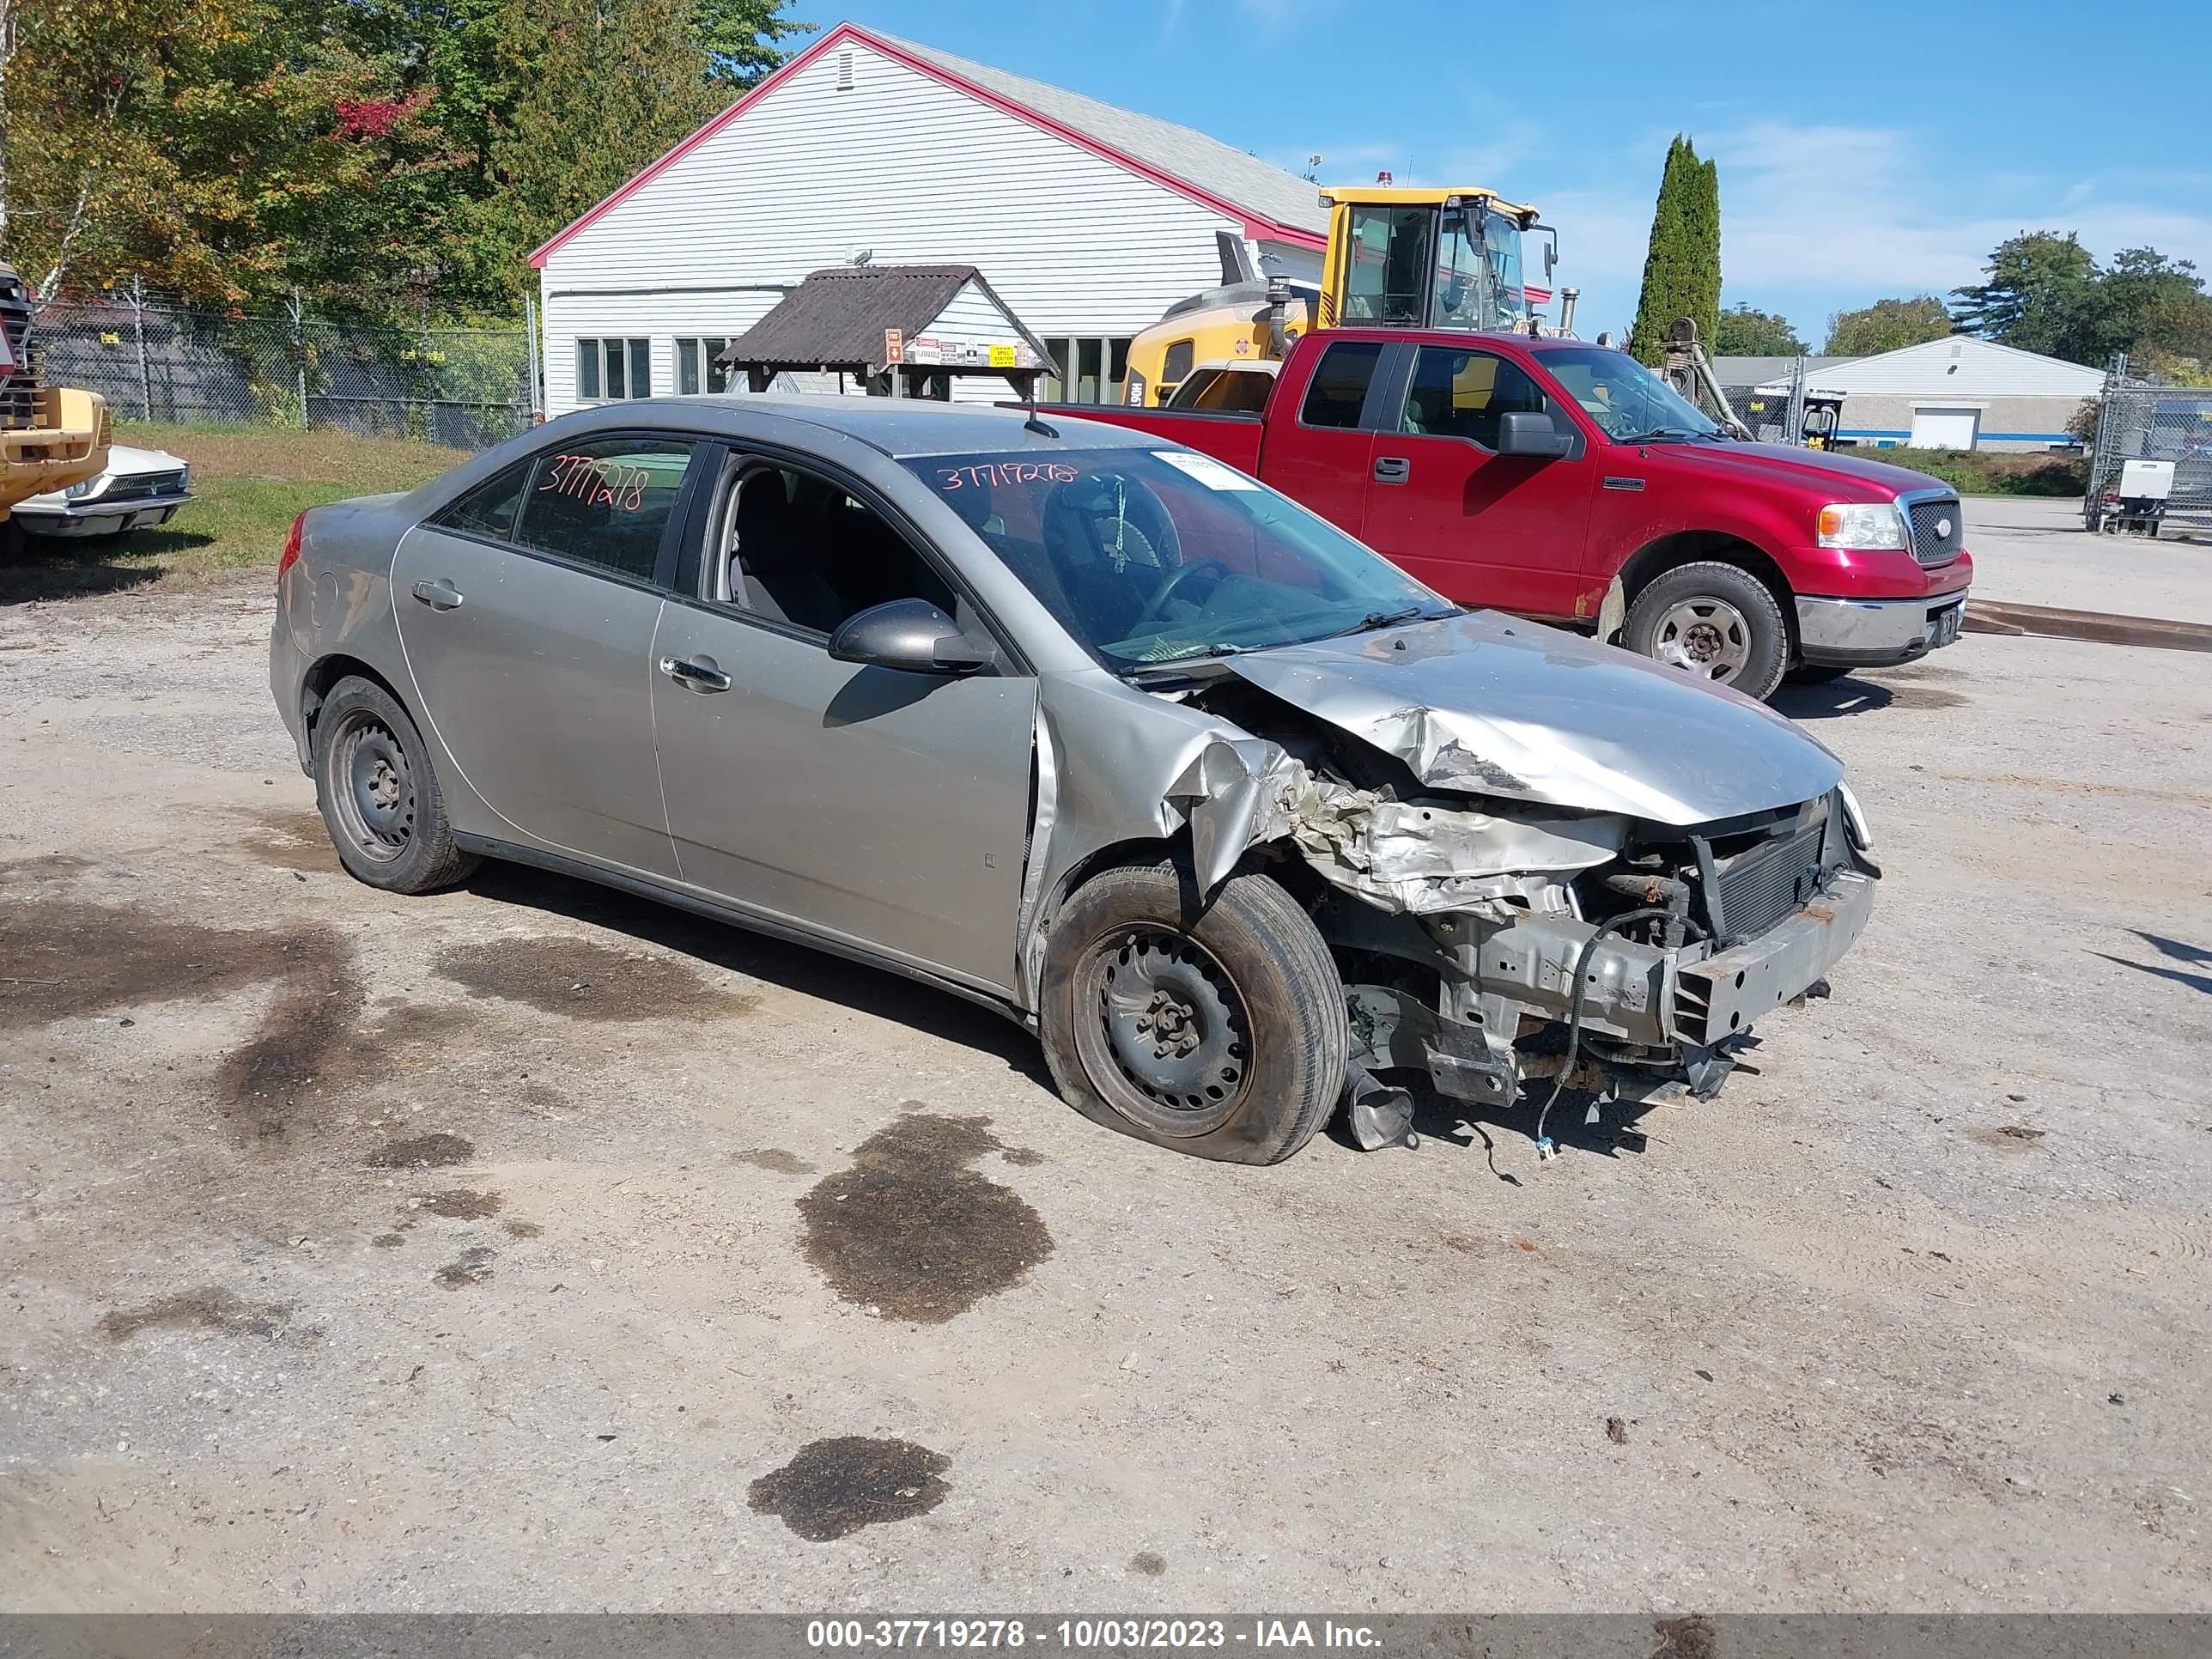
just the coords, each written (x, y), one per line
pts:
(1232, 438)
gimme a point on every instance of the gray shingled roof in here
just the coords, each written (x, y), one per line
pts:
(1181, 152)
(1757, 371)
(837, 316)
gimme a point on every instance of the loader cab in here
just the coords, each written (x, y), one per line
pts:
(1425, 258)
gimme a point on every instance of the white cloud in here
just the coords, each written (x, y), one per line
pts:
(1816, 218)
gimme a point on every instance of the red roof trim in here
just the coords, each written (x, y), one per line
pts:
(1255, 225)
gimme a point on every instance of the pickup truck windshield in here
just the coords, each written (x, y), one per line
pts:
(1149, 556)
(1627, 400)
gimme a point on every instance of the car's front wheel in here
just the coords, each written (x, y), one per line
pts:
(1715, 621)
(1216, 1029)
(379, 796)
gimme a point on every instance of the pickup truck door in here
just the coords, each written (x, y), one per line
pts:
(1482, 528)
(1318, 443)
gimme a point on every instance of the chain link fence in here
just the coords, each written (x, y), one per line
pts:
(464, 387)
(2139, 422)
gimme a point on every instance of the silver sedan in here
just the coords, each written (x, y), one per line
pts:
(1248, 826)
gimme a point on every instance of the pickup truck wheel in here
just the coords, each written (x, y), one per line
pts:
(1218, 1030)
(1715, 621)
(379, 796)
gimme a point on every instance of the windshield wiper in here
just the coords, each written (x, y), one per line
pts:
(1375, 619)
(1659, 435)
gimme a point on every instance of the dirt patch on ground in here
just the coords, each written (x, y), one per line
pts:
(291, 840)
(835, 1488)
(1927, 697)
(913, 1232)
(461, 1205)
(774, 1159)
(471, 1266)
(431, 1151)
(2006, 1138)
(49, 866)
(211, 1308)
(585, 980)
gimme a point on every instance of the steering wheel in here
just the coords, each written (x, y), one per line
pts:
(1176, 578)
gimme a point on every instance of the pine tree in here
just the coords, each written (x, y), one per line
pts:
(1682, 270)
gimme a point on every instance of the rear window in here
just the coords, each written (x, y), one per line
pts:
(1231, 391)
(605, 502)
(1339, 390)
(489, 509)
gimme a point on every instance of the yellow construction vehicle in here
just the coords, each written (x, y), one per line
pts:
(50, 437)
(1398, 255)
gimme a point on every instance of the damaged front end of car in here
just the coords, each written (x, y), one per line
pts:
(1591, 930)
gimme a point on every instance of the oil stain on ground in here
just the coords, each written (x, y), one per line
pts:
(774, 1159)
(431, 1151)
(461, 1205)
(585, 979)
(70, 960)
(67, 959)
(835, 1488)
(1927, 697)
(213, 1309)
(912, 1231)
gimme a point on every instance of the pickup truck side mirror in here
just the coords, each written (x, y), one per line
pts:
(910, 634)
(1531, 432)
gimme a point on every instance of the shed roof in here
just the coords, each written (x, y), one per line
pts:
(838, 316)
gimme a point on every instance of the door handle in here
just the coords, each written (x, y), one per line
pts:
(440, 595)
(1392, 469)
(703, 676)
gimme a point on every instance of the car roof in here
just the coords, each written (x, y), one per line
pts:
(899, 427)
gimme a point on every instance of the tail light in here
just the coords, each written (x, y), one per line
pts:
(291, 548)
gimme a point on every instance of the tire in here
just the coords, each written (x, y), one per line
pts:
(1813, 674)
(379, 795)
(1240, 993)
(1715, 621)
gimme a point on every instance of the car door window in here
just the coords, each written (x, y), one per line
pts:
(1456, 393)
(795, 548)
(489, 509)
(1338, 388)
(604, 501)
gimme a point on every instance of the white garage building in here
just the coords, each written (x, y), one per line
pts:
(1088, 221)
(1954, 393)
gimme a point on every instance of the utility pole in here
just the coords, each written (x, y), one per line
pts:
(138, 334)
(300, 356)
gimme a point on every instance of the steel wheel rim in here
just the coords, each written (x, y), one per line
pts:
(372, 788)
(1707, 637)
(1162, 1030)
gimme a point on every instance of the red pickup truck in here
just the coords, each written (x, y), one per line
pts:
(1566, 482)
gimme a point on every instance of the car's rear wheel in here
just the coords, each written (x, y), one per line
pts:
(1713, 620)
(1216, 1029)
(379, 795)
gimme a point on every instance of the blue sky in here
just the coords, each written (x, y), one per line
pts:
(1862, 153)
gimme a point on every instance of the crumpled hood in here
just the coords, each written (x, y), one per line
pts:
(1491, 705)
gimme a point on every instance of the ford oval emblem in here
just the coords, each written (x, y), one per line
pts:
(1943, 527)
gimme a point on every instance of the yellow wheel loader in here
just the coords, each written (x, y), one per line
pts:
(50, 437)
(1398, 255)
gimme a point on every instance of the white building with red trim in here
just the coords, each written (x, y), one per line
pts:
(1088, 221)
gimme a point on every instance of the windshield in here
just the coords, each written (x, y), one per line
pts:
(1625, 397)
(1154, 556)
(1478, 283)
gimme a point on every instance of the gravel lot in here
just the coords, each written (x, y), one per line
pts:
(530, 1247)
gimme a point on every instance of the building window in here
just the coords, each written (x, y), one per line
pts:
(1087, 368)
(613, 369)
(696, 368)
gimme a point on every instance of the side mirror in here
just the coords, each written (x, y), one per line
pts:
(910, 634)
(1528, 433)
